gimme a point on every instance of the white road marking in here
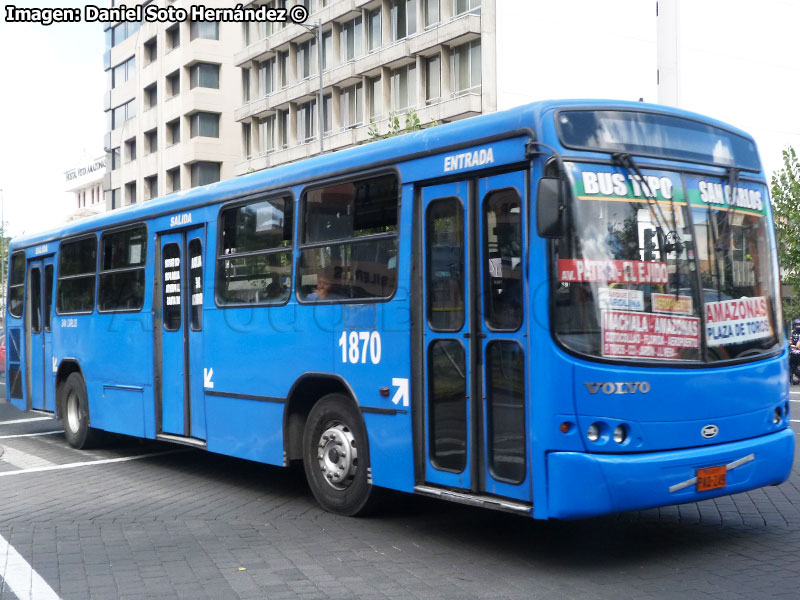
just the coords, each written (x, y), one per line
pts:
(23, 460)
(27, 420)
(88, 463)
(19, 576)
(19, 435)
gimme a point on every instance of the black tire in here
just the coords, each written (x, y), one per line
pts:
(336, 456)
(75, 414)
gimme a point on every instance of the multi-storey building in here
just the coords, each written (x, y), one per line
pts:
(379, 59)
(169, 106)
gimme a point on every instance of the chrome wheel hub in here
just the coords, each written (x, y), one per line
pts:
(73, 414)
(337, 455)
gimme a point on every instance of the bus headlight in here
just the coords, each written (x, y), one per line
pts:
(777, 416)
(593, 433)
(620, 434)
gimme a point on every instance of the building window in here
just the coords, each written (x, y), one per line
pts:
(464, 6)
(266, 132)
(306, 118)
(327, 50)
(404, 87)
(255, 261)
(151, 187)
(173, 132)
(307, 59)
(351, 41)
(174, 84)
(122, 113)
(115, 158)
(351, 103)
(431, 8)
(77, 267)
(245, 85)
(283, 66)
(150, 96)
(374, 93)
(173, 37)
(204, 75)
(123, 72)
(150, 51)
(283, 122)
(204, 173)
(374, 29)
(403, 15)
(130, 192)
(207, 30)
(112, 198)
(327, 114)
(122, 262)
(247, 140)
(466, 68)
(130, 150)
(174, 179)
(266, 77)
(349, 229)
(433, 79)
(204, 124)
(151, 141)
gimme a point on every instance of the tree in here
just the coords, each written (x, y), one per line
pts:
(785, 191)
(412, 124)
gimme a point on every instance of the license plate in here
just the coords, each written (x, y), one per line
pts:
(711, 478)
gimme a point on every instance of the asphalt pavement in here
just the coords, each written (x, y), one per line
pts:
(140, 519)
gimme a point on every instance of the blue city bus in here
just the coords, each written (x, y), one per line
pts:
(561, 310)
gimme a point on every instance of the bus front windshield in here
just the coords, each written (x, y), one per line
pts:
(664, 266)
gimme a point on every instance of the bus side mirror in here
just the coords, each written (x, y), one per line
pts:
(550, 207)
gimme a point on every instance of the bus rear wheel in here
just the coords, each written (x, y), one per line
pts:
(75, 413)
(336, 456)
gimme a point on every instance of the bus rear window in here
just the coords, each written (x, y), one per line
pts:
(77, 264)
(349, 249)
(16, 284)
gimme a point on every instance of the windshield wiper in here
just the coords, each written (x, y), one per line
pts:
(672, 241)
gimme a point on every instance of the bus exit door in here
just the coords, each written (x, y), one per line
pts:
(474, 337)
(40, 377)
(180, 406)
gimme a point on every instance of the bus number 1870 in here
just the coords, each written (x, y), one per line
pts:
(356, 345)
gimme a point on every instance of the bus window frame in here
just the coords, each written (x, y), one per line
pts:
(101, 271)
(21, 254)
(301, 224)
(288, 195)
(70, 240)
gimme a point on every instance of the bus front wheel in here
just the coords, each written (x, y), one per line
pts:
(336, 456)
(75, 413)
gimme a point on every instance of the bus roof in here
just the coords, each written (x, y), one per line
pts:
(448, 136)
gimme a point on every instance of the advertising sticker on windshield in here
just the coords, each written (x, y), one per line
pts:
(647, 335)
(571, 270)
(669, 303)
(621, 299)
(737, 321)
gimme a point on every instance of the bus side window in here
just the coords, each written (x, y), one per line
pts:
(349, 241)
(254, 261)
(77, 268)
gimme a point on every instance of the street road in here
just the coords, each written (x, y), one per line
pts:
(146, 520)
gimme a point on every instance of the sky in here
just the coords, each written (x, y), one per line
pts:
(51, 115)
(738, 59)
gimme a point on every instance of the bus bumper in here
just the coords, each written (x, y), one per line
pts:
(585, 485)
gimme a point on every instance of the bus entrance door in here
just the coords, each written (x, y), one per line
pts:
(180, 403)
(39, 335)
(474, 326)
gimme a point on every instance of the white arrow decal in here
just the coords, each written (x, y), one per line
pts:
(55, 365)
(402, 391)
(207, 375)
